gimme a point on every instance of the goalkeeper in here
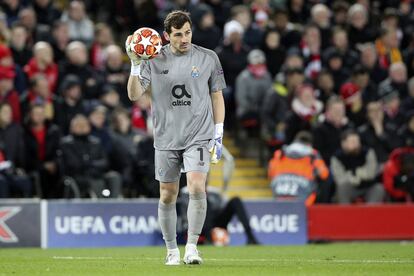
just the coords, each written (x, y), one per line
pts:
(186, 83)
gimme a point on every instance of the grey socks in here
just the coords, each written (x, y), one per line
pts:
(196, 215)
(167, 217)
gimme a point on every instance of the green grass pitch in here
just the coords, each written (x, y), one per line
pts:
(393, 258)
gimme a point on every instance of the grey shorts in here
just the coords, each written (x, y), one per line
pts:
(169, 163)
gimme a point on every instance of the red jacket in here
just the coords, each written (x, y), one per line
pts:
(391, 169)
(51, 72)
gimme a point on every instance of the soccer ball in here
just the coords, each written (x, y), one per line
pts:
(220, 236)
(146, 43)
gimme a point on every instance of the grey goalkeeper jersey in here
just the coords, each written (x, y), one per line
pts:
(180, 89)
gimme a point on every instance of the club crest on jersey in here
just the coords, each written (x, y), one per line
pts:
(195, 72)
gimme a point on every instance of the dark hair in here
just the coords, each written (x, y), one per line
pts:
(304, 137)
(348, 132)
(176, 19)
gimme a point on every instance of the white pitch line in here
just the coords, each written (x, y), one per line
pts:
(248, 260)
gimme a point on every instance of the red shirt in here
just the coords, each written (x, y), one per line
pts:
(12, 98)
(51, 72)
(40, 135)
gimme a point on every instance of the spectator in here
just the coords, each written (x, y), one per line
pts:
(407, 104)
(340, 10)
(7, 63)
(326, 134)
(18, 45)
(341, 46)
(103, 39)
(298, 13)
(359, 30)
(360, 76)
(406, 132)
(305, 110)
(387, 48)
(334, 64)
(83, 158)
(369, 59)
(290, 36)
(396, 81)
(376, 134)
(12, 156)
(59, 40)
(297, 172)
(126, 140)
(27, 18)
(77, 64)
(99, 129)
(42, 63)
(80, 26)
(8, 94)
(110, 98)
(233, 57)
(325, 86)
(141, 115)
(69, 104)
(354, 169)
(398, 175)
(252, 85)
(206, 33)
(355, 110)
(116, 72)
(311, 51)
(274, 51)
(42, 144)
(320, 16)
(46, 12)
(39, 93)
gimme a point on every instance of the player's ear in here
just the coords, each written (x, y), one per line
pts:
(166, 36)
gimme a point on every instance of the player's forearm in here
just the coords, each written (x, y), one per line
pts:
(218, 107)
(134, 88)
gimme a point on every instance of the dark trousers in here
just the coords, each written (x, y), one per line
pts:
(11, 185)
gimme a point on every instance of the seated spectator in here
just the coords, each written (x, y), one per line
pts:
(311, 51)
(80, 26)
(405, 134)
(334, 64)
(126, 141)
(252, 84)
(354, 169)
(305, 110)
(83, 158)
(7, 64)
(325, 86)
(387, 46)
(76, 63)
(274, 51)
(46, 12)
(13, 178)
(355, 110)
(398, 175)
(110, 98)
(407, 105)
(297, 172)
(103, 39)
(69, 104)
(21, 52)
(369, 59)
(141, 114)
(396, 81)
(41, 144)
(42, 63)
(359, 30)
(8, 94)
(39, 93)
(59, 40)
(206, 33)
(376, 134)
(116, 72)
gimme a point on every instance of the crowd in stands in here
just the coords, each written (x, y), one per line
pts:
(341, 70)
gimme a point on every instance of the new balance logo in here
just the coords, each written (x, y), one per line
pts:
(164, 72)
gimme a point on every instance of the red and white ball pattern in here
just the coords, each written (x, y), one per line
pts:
(146, 43)
(220, 236)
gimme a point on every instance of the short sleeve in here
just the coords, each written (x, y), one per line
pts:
(216, 81)
(145, 74)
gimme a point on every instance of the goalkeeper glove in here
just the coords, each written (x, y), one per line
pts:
(135, 60)
(217, 147)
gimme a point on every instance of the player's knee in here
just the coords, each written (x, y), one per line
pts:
(168, 193)
(196, 183)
